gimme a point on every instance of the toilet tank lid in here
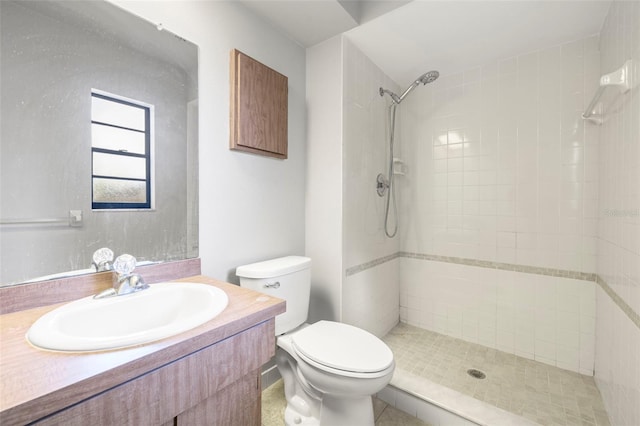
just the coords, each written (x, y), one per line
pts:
(274, 267)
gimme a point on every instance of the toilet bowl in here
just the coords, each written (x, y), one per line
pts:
(330, 370)
(339, 366)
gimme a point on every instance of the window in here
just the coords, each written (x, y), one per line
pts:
(120, 152)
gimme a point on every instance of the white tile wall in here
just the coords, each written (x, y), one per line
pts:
(502, 167)
(365, 154)
(617, 362)
(369, 298)
(617, 337)
(549, 319)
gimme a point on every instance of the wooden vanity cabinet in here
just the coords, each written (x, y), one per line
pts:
(216, 385)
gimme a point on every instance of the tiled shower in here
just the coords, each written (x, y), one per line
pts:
(504, 182)
(519, 220)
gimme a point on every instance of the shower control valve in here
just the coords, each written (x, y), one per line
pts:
(382, 184)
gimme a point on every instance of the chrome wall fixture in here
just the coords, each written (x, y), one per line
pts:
(620, 78)
(384, 184)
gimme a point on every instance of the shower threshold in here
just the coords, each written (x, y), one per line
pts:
(432, 382)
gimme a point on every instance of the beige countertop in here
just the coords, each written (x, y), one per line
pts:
(35, 383)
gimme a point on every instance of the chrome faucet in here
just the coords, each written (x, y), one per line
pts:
(124, 281)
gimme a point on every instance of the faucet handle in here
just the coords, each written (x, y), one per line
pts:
(102, 259)
(124, 264)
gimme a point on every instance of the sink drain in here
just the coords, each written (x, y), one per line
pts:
(476, 374)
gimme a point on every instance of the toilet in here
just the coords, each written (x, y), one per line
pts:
(330, 369)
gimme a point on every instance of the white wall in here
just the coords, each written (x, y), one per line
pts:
(251, 207)
(324, 209)
(618, 323)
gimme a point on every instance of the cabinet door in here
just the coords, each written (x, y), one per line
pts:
(258, 111)
(223, 376)
(232, 406)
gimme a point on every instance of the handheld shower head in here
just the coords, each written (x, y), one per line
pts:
(429, 77)
(425, 78)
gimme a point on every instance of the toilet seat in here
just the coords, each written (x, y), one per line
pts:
(343, 349)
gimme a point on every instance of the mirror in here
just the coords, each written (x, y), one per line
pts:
(54, 53)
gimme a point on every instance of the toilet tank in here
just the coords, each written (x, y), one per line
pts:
(288, 278)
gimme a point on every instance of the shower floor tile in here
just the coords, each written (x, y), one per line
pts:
(541, 393)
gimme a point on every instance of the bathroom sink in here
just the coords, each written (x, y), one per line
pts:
(163, 310)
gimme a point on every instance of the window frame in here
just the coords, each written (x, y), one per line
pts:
(148, 156)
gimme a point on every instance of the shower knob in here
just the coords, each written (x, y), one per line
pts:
(382, 184)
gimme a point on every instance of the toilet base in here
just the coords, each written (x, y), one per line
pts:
(293, 418)
(338, 411)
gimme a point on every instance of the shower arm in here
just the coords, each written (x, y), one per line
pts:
(393, 96)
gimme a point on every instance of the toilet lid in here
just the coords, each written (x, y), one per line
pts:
(343, 347)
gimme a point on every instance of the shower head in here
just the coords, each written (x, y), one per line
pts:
(425, 78)
(429, 77)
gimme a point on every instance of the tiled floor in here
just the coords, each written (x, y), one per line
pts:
(273, 405)
(539, 392)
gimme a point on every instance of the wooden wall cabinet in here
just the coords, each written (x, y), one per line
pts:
(258, 110)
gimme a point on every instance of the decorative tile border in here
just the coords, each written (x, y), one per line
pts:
(474, 262)
(503, 266)
(624, 306)
(364, 266)
(562, 273)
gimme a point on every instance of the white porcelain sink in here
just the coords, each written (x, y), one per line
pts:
(163, 310)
